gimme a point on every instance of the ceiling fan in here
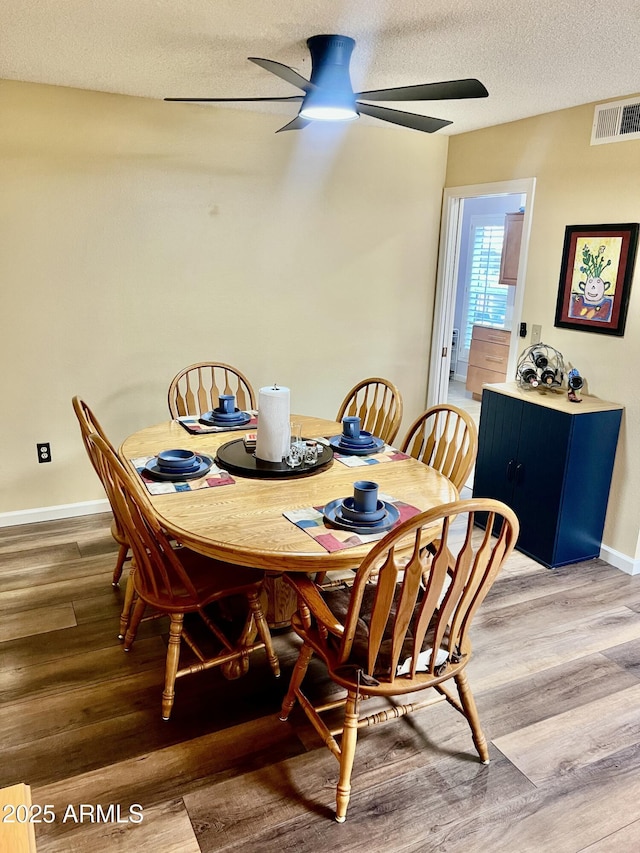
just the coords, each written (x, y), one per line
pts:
(329, 96)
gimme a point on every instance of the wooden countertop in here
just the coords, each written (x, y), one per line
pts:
(553, 399)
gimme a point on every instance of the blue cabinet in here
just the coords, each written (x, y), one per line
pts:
(551, 461)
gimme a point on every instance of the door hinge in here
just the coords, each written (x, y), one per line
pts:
(444, 352)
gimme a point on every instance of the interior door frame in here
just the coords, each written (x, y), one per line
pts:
(447, 276)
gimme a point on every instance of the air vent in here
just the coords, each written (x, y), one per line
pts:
(616, 121)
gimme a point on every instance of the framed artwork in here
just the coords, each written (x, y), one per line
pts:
(595, 277)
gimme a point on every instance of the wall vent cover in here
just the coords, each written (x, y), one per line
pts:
(616, 121)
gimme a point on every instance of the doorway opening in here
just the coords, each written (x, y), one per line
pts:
(470, 293)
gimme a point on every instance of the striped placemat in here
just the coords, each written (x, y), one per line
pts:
(385, 454)
(311, 521)
(193, 425)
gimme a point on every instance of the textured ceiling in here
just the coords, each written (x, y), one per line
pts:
(533, 57)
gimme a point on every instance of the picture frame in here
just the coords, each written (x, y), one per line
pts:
(595, 277)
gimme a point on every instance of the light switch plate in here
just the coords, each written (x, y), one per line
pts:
(536, 334)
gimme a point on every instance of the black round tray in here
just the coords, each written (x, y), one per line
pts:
(236, 458)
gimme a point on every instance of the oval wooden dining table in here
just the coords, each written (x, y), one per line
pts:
(244, 523)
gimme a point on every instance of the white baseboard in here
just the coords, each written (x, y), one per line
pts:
(620, 561)
(52, 513)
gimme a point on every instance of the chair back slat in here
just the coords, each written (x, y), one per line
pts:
(445, 438)
(205, 389)
(415, 441)
(494, 557)
(189, 397)
(384, 410)
(385, 591)
(368, 407)
(453, 603)
(410, 588)
(378, 404)
(196, 389)
(426, 602)
(440, 433)
(436, 596)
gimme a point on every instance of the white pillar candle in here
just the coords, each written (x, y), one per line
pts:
(272, 441)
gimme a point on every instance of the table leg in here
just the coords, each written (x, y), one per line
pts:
(281, 600)
(239, 667)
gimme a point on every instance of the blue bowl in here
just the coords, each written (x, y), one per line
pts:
(347, 510)
(236, 415)
(364, 438)
(178, 459)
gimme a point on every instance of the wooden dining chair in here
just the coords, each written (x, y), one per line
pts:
(378, 404)
(401, 634)
(445, 438)
(89, 424)
(195, 390)
(178, 581)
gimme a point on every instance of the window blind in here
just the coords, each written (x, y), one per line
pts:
(486, 298)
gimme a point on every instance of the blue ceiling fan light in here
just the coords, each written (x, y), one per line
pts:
(330, 95)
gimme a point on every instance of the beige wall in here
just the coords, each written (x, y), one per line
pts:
(139, 236)
(576, 184)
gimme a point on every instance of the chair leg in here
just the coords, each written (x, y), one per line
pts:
(122, 557)
(347, 755)
(239, 666)
(298, 674)
(173, 657)
(471, 713)
(263, 631)
(129, 595)
(134, 622)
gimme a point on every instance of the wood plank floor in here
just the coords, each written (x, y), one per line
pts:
(556, 674)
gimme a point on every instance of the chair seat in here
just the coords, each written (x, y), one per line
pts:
(351, 674)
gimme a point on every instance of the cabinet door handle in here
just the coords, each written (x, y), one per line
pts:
(511, 466)
(519, 473)
(495, 358)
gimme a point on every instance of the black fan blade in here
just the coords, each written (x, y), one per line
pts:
(234, 100)
(417, 122)
(284, 72)
(297, 124)
(445, 91)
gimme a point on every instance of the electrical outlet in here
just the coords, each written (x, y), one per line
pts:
(44, 451)
(536, 334)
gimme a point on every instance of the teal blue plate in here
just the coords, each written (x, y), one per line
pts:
(219, 419)
(157, 473)
(336, 444)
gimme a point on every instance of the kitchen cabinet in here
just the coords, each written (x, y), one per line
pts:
(511, 248)
(551, 461)
(488, 358)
